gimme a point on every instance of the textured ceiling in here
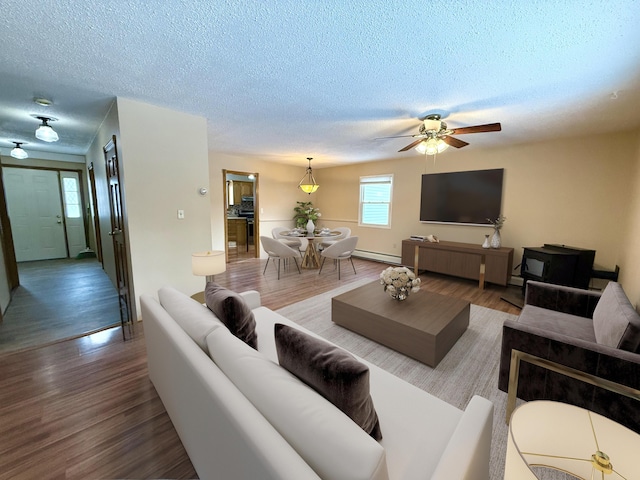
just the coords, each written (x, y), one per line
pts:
(284, 80)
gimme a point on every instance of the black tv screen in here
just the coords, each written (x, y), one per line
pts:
(461, 197)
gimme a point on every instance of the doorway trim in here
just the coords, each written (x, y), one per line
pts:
(256, 210)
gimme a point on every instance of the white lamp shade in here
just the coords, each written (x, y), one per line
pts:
(208, 263)
(19, 153)
(46, 133)
(565, 437)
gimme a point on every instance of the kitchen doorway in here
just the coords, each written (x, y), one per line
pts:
(241, 215)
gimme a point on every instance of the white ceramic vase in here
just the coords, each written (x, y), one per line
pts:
(310, 227)
(486, 243)
(496, 241)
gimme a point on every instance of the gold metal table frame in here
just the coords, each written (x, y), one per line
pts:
(311, 257)
(518, 356)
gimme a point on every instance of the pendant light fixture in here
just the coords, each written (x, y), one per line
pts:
(18, 152)
(45, 132)
(308, 184)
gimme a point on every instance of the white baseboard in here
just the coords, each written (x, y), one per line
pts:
(397, 260)
(380, 257)
(517, 281)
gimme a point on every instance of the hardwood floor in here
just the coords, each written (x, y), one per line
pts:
(85, 408)
(58, 299)
(293, 287)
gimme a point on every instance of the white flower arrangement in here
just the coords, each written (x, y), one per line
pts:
(399, 282)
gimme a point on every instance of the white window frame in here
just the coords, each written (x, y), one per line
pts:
(68, 210)
(375, 180)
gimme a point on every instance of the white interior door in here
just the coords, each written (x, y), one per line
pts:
(73, 218)
(35, 212)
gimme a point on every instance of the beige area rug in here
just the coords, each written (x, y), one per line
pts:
(470, 368)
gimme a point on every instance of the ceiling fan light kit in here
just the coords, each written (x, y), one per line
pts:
(45, 132)
(435, 137)
(18, 152)
(308, 183)
(432, 146)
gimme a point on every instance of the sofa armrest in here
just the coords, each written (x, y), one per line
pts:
(537, 383)
(574, 301)
(468, 451)
(252, 298)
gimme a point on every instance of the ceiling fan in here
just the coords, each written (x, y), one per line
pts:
(435, 137)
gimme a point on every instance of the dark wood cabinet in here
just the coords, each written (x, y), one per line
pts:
(463, 260)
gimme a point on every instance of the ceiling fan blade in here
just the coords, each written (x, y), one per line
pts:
(489, 127)
(411, 145)
(396, 136)
(454, 142)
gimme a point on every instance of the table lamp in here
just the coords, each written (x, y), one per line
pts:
(569, 439)
(208, 263)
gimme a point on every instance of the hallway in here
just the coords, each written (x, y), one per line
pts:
(58, 299)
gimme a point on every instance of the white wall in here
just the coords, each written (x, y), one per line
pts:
(630, 248)
(164, 162)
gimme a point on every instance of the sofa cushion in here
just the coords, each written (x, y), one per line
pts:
(194, 318)
(558, 322)
(331, 371)
(233, 311)
(329, 441)
(615, 321)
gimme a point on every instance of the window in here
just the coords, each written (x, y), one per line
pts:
(375, 201)
(71, 197)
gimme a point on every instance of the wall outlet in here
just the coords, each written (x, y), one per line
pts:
(180, 214)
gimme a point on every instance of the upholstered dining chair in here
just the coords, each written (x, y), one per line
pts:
(344, 233)
(276, 249)
(341, 250)
(295, 243)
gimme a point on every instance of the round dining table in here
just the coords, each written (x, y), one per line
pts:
(311, 257)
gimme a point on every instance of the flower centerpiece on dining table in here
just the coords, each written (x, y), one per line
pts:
(399, 282)
(305, 213)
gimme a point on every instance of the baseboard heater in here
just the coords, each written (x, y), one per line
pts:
(380, 257)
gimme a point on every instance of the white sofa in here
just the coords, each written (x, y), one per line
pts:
(266, 424)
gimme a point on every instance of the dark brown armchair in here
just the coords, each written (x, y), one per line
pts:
(575, 346)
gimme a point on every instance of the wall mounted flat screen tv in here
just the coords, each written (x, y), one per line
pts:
(468, 198)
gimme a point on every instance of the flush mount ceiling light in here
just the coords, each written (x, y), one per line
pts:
(43, 102)
(45, 132)
(18, 152)
(308, 184)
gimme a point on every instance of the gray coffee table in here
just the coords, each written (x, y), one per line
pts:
(425, 326)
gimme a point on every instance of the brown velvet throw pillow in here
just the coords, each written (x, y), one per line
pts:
(232, 310)
(332, 372)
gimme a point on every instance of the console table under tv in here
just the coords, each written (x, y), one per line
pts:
(463, 260)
